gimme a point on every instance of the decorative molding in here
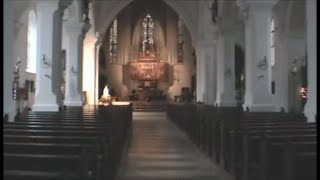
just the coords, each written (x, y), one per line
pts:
(47, 76)
(45, 63)
(228, 73)
(73, 71)
(260, 76)
(263, 64)
(244, 8)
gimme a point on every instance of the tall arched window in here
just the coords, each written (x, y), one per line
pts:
(113, 41)
(272, 43)
(32, 42)
(180, 39)
(147, 33)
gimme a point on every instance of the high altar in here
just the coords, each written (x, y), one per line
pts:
(148, 71)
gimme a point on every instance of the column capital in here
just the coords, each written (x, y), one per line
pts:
(255, 3)
(210, 39)
(247, 6)
(227, 29)
(74, 26)
(99, 39)
(47, 5)
(65, 3)
(87, 25)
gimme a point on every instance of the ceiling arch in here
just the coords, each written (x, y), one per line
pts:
(108, 10)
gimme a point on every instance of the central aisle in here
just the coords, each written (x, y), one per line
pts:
(158, 150)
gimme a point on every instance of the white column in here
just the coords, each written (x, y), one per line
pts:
(210, 92)
(205, 77)
(257, 63)
(88, 61)
(88, 69)
(45, 99)
(226, 76)
(9, 107)
(96, 75)
(73, 93)
(200, 73)
(310, 109)
(281, 70)
(56, 56)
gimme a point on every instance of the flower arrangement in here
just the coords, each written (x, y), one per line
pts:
(107, 99)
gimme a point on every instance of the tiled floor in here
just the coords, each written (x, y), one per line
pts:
(158, 150)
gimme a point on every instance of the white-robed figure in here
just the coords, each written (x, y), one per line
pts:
(105, 92)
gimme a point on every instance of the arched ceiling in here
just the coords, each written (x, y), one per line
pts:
(104, 11)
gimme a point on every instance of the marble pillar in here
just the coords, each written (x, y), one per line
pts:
(45, 99)
(257, 63)
(210, 93)
(88, 69)
(73, 92)
(56, 56)
(310, 109)
(226, 95)
(9, 107)
(200, 70)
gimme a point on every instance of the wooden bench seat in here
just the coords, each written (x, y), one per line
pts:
(278, 159)
(249, 144)
(54, 132)
(45, 162)
(239, 143)
(40, 175)
(58, 127)
(49, 148)
(47, 139)
(45, 145)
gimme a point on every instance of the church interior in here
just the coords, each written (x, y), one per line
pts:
(160, 89)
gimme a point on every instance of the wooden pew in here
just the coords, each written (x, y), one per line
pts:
(57, 129)
(222, 146)
(59, 164)
(92, 152)
(300, 160)
(40, 175)
(247, 146)
(278, 157)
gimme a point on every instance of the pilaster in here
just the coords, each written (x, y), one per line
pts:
(226, 75)
(73, 93)
(45, 99)
(9, 107)
(89, 65)
(206, 57)
(56, 56)
(257, 16)
(201, 72)
(96, 75)
(310, 109)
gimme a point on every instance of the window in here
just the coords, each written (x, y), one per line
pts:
(113, 40)
(180, 39)
(32, 43)
(147, 32)
(272, 43)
